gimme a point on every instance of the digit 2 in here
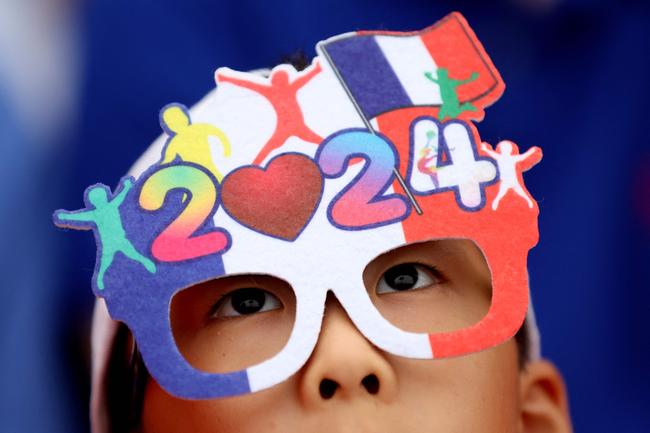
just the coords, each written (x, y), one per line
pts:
(362, 203)
(176, 243)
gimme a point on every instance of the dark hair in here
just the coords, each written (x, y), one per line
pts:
(125, 381)
(298, 59)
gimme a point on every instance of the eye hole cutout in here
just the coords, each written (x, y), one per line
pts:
(432, 286)
(232, 322)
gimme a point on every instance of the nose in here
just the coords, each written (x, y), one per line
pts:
(344, 365)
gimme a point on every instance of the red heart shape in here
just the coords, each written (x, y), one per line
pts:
(277, 201)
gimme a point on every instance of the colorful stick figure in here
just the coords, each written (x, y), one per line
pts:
(451, 106)
(427, 154)
(190, 141)
(281, 93)
(507, 157)
(107, 221)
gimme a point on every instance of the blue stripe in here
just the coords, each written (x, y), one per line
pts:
(368, 75)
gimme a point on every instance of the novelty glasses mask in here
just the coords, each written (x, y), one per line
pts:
(275, 191)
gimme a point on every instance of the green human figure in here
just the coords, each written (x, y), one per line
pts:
(107, 220)
(451, 106)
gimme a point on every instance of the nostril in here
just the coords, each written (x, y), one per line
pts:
(327, 388)
(371, 383)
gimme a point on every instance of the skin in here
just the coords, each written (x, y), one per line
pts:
(481, 392)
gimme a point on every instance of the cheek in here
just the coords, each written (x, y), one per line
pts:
(477, 393)
(235, 344)
(253, 413)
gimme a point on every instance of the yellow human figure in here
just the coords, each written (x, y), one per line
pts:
(190, 141)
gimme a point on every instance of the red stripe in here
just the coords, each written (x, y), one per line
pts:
(453, 45)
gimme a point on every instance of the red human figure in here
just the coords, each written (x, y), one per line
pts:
(281, 93)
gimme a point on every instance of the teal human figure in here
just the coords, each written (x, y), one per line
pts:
(451, 106)
(107, 221)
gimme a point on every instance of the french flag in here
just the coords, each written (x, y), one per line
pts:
(385, 71)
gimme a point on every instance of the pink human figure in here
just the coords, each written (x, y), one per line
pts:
(511, 164)
(427, 155)
(423, 167)
(281, 93)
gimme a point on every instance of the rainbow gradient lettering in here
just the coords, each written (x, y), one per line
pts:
(363, 203)
(176, 242)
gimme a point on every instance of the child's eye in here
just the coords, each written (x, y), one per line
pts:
(245, 301)
(407, 276)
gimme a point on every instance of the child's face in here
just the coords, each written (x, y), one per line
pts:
(348, 385)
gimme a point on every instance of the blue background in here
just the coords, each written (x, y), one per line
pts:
(577, 76)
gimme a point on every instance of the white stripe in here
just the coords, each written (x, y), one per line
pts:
(295, 353)
(410, 59)
(376, 328)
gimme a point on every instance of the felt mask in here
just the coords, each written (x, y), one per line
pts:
(278, 191)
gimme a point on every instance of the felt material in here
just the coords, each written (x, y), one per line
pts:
(307, 196)
(373, 83)
(458, 166)
(179, 240)
(444, 66)
(363, 203)
(504, 235)
(270, 200)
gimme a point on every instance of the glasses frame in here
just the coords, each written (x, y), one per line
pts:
(505, 251)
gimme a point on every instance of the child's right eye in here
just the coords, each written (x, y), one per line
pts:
(245, 301)
(407, 276)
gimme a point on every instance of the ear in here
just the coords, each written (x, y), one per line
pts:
(544, 406)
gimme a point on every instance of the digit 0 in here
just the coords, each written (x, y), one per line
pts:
(176, 243)
(363, 203)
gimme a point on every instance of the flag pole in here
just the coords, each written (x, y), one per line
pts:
(368, 125)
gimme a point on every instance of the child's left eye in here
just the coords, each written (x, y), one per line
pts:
(407, 276)
(246, 301)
